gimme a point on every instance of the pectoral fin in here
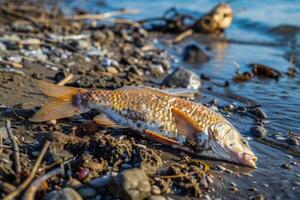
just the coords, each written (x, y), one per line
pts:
(155, 136)
(185, 125)
(107, 121)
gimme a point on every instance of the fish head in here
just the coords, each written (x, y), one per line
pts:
(228, 144)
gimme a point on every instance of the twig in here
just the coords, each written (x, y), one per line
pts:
(66, 79)
(13, 64)
(17, 15)
(35, 185)
(27, 181)
(174, 176)
(12, 71)
(91, 16)
(181, 36)
(101, 16)
(17, 163)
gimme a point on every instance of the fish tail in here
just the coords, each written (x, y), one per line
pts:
(64, 102)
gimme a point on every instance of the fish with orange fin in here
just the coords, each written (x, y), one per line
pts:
(158, 114)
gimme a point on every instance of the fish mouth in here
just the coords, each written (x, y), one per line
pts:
(247, 160)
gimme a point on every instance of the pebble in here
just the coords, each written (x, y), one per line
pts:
(209, 179)
(87, 192)
(234, 189)
(66, 194)
(100, 182)
(74, 183)
(279, 137)
(3, 133)
(132, 184)
(203, 182)
(192, 54)
(2, 47)
(206, 197)
(126, 166)
(155, 190)
(233, 184)
(258, 197)
(252, 189)
(259, 131)
(156, 197)
(157, 69)
(293, 141)
(112, 70)
(59, 76)
(258, 112)
(183, 78)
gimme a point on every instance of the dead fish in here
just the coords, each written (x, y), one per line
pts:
(155, 113)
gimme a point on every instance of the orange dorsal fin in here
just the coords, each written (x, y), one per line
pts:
(155, 136)
(185, 125)
(63, 93)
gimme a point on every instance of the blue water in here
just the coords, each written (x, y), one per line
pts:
(252, 21)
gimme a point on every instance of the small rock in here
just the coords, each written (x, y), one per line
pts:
(206, 197)
(233, 184)
(74, 183)
(2, 47)
(60, 76)
(292, 141)
(209, 179)
(112, 70)
(155, 190)
(3, 133)
(156, 197)
(220, 167)
(132, 184)
(183, 78)
(279, 137)
(258, 112)
(87, 192)
(157, 69)
(126, 166)
(66, 194)
(233, 189)
(100, 182)
(258, 197)
(192, 54)
(203, 182)
(259, 131)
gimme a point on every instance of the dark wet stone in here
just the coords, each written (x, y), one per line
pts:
(285, 30)
(259, 131)
(258, 112)
(60, 76)
(192, 54)
(87, 192)
(183, 78)
(66, 194)
(132, 184)
(292, 141)
(264, 71)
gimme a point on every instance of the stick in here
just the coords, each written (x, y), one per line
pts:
(101, 16)
(35, 185)
(12, 71)
(27, 181)
(17, 15)
(181, 36)
(17, 163)
(91, 16)
(13, 64)
(66, 79)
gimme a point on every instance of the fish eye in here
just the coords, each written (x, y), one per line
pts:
(244, 142)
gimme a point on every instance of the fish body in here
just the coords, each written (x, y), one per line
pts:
(157, 114)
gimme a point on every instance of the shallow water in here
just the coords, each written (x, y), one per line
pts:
(249, 41)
